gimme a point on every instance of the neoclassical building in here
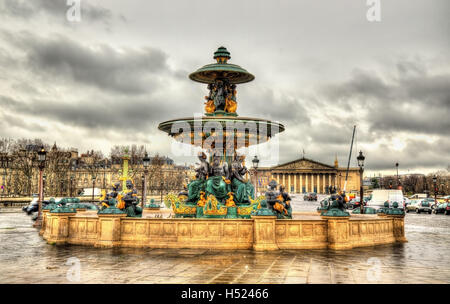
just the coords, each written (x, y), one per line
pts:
(306, 175)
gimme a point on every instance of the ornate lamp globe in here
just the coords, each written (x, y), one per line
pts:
(41, 155)
(361, 159)
(146, 160)
(255, 162)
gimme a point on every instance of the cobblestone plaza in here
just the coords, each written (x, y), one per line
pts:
(26, 258)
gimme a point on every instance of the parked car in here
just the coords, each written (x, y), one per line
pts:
(312, 196)
(411, 205)
(424, 206)
(442, 208)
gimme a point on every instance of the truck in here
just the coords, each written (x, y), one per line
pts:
(380, 196)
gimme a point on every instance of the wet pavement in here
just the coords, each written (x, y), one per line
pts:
(26, 258)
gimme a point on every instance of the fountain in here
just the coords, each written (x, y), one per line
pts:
(220, 188)
(218, 209)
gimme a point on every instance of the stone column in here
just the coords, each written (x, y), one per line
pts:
(284, 179)
(306, 182)
(295, 182)
(264, 233)
(58, 227)
(109, 229)
(278, 178)
(318, 182)
(338, 232)
(301, 182)
(323, 181)
(329, 180)
(289, 183)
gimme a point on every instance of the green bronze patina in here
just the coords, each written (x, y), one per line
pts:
(384, 209)
(395, 210)
(153, 205)
(222, 69)
(334, 210)
(63, 209)
(367, 210)
(111, 210)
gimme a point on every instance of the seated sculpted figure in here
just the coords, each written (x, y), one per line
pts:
(111, 197)
(242, 188)
(218, 183)
(199, 183)
(129, 197)
(272, 195)
(285, 201)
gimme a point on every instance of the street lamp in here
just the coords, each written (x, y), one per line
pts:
(93, 186)
(146, 163)
(255, 162)
(435, 189)
(161, 189)
(361, 159)
(398, 179)
(4, 165)
(71, 185)
(41, 160)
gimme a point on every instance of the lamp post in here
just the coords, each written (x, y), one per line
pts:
(360, 159)
(161, 189)
(255, 162)
(146, 163)
(398, 179)
(41, 159)
(4, 165)
(71, 185)
(93, 186)
(435, 189)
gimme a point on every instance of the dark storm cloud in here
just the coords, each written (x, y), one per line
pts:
(117, 115)
(416, 154)
(263, 101)
(415, 101)
(125, 70)
(54, 8)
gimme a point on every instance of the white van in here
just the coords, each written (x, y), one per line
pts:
(379, 197)
(418, 196)
(88, 192)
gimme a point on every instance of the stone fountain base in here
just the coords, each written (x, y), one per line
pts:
(261, 233)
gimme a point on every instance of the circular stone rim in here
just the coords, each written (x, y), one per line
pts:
(165, 126)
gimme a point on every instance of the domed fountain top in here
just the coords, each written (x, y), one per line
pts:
(221, 70)
(220, 121)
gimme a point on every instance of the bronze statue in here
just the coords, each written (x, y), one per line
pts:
(199, 183)
(243, 189)
(129, 201)
(219, 180)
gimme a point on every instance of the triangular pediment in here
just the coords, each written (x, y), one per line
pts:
(303, 163)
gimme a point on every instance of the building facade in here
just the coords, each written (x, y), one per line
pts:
(306, 175)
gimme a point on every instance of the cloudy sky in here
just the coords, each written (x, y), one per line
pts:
(320, 66)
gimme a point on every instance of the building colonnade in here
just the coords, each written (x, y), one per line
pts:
(306, 182)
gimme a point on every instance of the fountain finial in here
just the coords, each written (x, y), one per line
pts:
(222, 55)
